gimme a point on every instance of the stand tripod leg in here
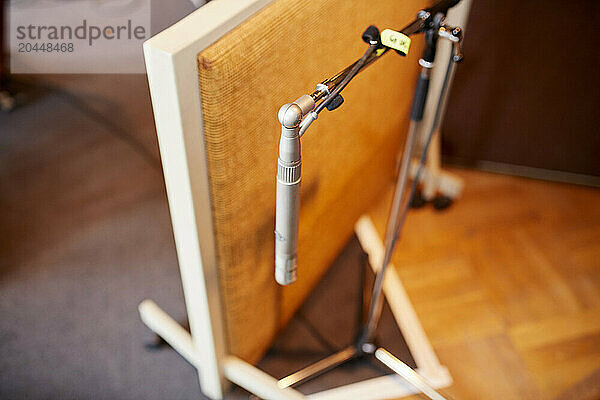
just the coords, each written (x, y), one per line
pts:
(406, 372)
(318, 368)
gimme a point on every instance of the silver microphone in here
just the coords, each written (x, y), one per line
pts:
(288, 189)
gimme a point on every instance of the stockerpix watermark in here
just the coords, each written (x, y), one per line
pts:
(78, 36)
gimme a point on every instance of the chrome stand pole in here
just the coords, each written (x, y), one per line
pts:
(398, 202)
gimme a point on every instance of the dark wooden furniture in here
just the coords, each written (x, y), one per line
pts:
(526, 91)
(2, 67)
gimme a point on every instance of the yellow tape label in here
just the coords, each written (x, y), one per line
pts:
(395, 40)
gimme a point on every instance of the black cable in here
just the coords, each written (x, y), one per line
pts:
(114, 129)
(316, 334)
(101, 119)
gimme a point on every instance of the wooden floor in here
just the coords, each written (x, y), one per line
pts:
(507, 285)
(506, 282)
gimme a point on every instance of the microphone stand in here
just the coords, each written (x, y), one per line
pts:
(401, 204)
(431, 22)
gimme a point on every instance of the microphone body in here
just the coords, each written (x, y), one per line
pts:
(287, 210)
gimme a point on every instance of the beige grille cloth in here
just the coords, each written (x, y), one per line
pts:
(347, 155)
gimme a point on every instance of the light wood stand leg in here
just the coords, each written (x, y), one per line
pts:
(434, 178)
(265, 386)
(235, 370)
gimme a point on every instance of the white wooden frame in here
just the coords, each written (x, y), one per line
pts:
(265, 386)
(172, 66)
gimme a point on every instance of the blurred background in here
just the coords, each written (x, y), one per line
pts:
(506, 280)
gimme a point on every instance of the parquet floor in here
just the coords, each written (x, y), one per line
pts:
(507, 285)
(506, 282)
